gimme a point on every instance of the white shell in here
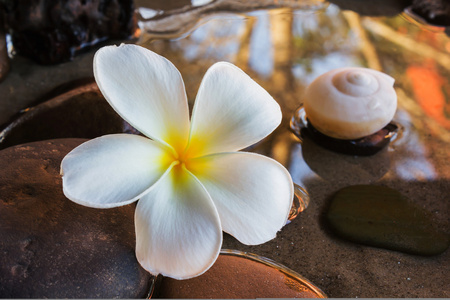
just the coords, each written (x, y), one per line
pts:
(350, 103)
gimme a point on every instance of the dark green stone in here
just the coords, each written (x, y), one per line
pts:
(382, 217)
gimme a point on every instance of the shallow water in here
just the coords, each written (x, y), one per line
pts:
(284, 49)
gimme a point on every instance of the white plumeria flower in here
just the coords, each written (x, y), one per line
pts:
(188, 176)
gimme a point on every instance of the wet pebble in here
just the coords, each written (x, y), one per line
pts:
(365, 146)
(53, 248)
(237, 277)
(382, 217)
(81, 112)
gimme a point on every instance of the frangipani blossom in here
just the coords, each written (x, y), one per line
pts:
(189, 178)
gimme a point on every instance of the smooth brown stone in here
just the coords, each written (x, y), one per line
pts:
(236, 277)
(81, 112)
(51, 247)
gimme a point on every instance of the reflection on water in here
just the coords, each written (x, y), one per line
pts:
(173, 19)
(284, 49)
(412, 162)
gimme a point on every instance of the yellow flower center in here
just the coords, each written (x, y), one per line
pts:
(186, 157)
(182, 159)
(179, 159)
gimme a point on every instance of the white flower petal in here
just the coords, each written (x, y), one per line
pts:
(146, 90)
(113, 170)
(178, 232)
(231, 112)
(252, 193)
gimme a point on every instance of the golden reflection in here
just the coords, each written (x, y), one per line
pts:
(242, 56)
(281, 21)
(406, 43)
(367, 47)
(284, 49)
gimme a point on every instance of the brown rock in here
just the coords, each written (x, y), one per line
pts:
(238, 277)
(53, 248)
(82, 112)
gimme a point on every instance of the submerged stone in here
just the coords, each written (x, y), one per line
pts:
(382, 217)
(237, 276)
(365, 146)
(53, 248)
(81, 112)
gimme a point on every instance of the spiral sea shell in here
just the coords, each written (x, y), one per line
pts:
(350, 103)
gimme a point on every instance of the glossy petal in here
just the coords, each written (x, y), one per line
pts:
(252, 193)
(178, 232)
(113, 170)
(231, 112)
(146, 90)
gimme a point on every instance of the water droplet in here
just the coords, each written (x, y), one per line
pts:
(298, 121)
(300, 203)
